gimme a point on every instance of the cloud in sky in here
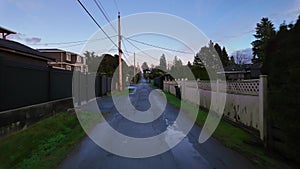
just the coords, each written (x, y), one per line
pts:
(24, 38)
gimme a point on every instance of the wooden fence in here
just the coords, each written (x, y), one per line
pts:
(245, 100)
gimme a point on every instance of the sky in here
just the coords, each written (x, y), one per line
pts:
(231, 23)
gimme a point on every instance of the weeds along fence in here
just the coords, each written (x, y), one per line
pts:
(245, 100)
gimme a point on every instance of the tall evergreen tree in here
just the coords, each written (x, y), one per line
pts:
(222, 54)
(163, 63)
(197, 61)
(232, 60)
(145, 66)
(218, 49)
(265, 31)
(209, 57)
(189, 64)
(176, 69)
(225, 58)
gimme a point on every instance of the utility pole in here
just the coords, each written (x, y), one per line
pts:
(133, 67)
(120, 53)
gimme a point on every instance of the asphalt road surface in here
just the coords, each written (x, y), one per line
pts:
(188, 154)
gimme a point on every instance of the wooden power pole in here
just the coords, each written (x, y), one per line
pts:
(133, 67)
(120, 53)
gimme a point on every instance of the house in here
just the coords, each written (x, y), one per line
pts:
(24, 75)
(11, 51)
(79, 63)
(66, 60)
(242, 72)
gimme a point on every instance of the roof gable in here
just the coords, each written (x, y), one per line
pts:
(16, 46)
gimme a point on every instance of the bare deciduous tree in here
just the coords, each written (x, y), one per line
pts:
(241, 58)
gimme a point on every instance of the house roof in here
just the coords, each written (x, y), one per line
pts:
(51, 50)
(4, 30)
(244, 68)
(237, 67)
(56, 50)
(18, 47)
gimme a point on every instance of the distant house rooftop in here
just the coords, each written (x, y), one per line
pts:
(55, 51)
(244, 71)
(5, 32)
(240, 68)
(51, 50)
(16, 47)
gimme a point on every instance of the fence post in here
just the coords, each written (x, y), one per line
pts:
(2, 96)
(218, 87)
(262, 107)
(49, 83)
(218, 96)
(183, 88)
(80, 89)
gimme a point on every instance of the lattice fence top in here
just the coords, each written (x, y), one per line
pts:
(246, 87)
(170, 82)
(250, 87)
(206, 85)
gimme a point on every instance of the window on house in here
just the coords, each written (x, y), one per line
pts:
(77, 68)
(78, 59)
(68, 67)
(84, 60)
(68, 57)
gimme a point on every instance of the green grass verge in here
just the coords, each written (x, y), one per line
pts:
(233, 137)
(43, 145)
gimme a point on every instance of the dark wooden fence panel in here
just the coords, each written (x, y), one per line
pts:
(22, 85)
(25, 84)
(158, 82)
(103, 85)
(98, 86)
(60, 84)
(29, 93)
(108, 84)
(91, 78)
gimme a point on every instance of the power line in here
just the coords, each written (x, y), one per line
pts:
(71, 42)
(97, 24)
(130, 53)
(125, 51)
(68, 46)
(140, 49)
(103, 13)
(116, 4)
(103, 9)
(156, 46)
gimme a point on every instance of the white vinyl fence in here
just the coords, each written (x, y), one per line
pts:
(245, 99)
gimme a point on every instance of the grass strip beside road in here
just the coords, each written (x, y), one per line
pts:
(233, 137)
(43, 145)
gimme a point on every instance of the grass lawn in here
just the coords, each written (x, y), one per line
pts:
(43, 145)
(234, 138)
